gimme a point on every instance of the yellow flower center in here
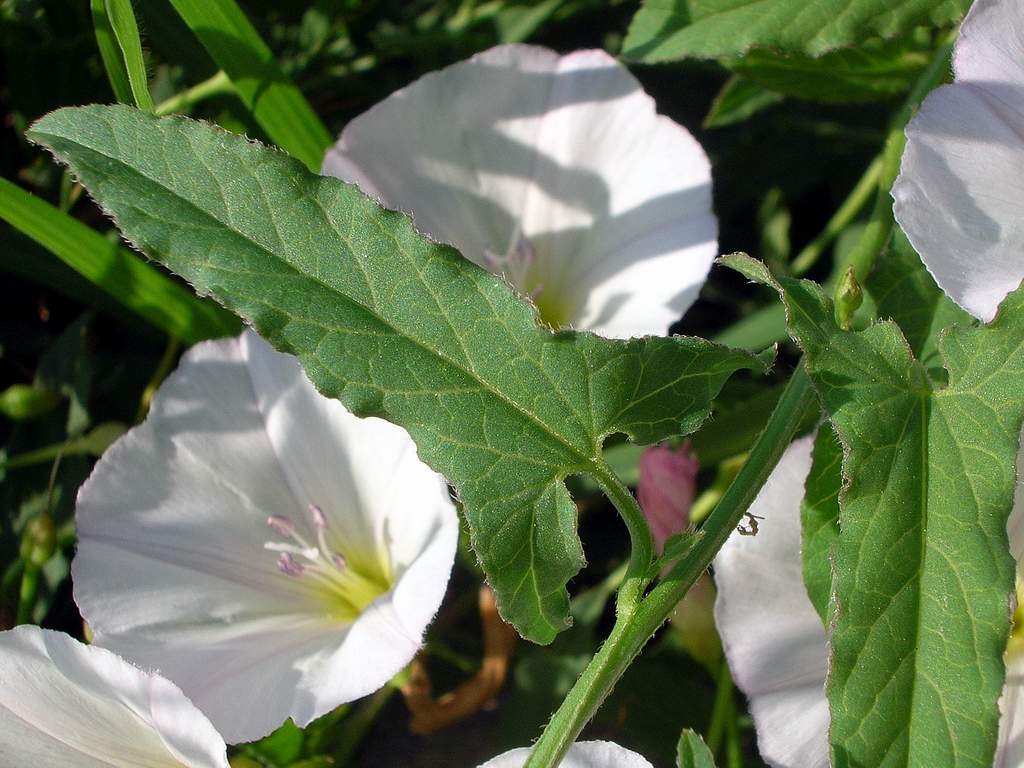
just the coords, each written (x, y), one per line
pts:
(345, 588)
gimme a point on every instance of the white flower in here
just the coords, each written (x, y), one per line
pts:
(583, 754)
(960, 193)
(775, 641)
(253, 541)
(68, 705)
(554, 170)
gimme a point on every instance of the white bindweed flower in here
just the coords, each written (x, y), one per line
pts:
(260, 546)
(583, 754)
(960, 193)
(775, 641)
(555, 171)
(68, 705)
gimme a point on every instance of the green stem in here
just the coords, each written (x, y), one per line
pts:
(634, 627)
(358, 725)
(722, 710)
(859, 196)
(163, 368)
(216, 85)
(733, 749)
(27, 594)
(641, 543)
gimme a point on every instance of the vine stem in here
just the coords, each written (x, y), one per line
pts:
(639, 617)
(637, 576)
(216, 85)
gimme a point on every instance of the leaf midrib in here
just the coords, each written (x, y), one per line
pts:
(589, 462)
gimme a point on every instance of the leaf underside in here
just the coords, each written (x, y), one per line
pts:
(397, 326)
(923, 571)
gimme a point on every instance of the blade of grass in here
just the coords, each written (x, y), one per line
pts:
(110, 52)
(120, 273)
(276, 103)
(118, 36)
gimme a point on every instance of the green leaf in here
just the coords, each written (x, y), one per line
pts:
(904, 292)
(923, 570)
(819, 514)
(397, 326)
(278, 106)
(874, 69)
(692, 752)
(117, 35)
(124, 276)
(738, 101)
(664, 30)
(110, 53)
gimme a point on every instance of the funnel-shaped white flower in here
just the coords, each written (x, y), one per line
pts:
(583, 754)
(68, 705)
(253, 541)
(775, 641)
(554, 170)
(960, 193)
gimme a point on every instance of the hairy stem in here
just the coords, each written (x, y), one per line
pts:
(641, 544)
(216, 85)
(635, 626)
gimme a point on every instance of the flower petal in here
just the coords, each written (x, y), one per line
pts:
(773, 638)
(567, 151)
(959, 193)
(63, 704)
(583, 754)
(1010, 752)
(172, 571)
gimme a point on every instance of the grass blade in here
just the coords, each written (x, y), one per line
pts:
(278, 106)
(117, 34)
(122, 274)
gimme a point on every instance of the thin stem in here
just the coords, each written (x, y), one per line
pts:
(733, 750)
(722, 710)
(162, 369)
(216, 85)
(358, 724)
(642, 545)
(859, 196)
(633, 628)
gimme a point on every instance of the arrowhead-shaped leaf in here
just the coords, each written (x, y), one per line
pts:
(397, 326)
(923, 570)
(902, 291)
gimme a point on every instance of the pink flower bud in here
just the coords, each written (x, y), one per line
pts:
(667, 486)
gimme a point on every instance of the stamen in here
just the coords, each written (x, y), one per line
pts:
(289, 566)
(281, 525)
(310, 553)
(319, 520)
(516, 262)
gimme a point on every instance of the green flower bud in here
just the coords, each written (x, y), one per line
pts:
(847, 299)
(38, 541)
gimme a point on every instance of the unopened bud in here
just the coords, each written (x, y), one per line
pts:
(665, 490)
(848, 298)
(24, 402)
(38, 541)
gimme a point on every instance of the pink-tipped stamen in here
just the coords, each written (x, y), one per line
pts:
(289, 566)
